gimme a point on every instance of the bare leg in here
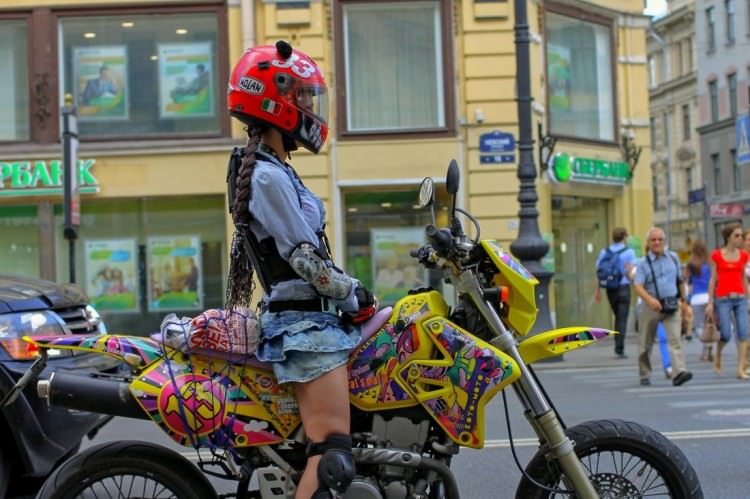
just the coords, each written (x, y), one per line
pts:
(717, 358)
(324, 408)
(741, 353)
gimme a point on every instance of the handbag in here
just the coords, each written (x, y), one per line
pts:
(710, 333)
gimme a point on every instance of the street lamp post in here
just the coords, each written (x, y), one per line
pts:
(529, 246)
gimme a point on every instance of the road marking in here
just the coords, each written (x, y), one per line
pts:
(672, 435)
(533, 442)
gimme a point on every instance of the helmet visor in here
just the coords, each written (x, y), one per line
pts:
(312, 99)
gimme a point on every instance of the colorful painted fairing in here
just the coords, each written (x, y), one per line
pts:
(422, 357)
(558, 341)
(522, 309)
(202, 401)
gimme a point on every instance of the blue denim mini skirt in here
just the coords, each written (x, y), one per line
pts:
(304, 345)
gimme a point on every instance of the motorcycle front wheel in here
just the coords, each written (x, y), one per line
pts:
(623, 459)
(127, 470)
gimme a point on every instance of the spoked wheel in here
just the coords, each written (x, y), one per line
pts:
(127, 470)
(623, 459)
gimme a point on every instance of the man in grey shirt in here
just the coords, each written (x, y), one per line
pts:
(657, 280)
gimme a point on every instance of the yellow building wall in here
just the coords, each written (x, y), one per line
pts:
(483, 41)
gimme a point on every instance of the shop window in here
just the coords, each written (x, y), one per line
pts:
(142, 259)
(394, 57)
(380, 230)
(14, 86)
(19, 240)
(142, 75)
(579, 73)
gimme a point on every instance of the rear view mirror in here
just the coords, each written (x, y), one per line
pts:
(426, 193)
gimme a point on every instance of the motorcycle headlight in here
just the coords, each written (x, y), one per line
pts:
(13, 327)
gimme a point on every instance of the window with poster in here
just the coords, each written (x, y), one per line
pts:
(143, 72)
(381, 227)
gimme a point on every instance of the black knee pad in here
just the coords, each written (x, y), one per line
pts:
(336, 468)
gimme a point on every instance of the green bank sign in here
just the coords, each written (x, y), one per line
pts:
(566, 168)
(43, 178)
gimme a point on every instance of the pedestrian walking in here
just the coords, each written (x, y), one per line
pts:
(697, 275)
(612, 269)
(657, 282)
(727, 294)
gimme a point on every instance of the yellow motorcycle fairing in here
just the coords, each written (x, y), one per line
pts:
(421, 357)
(558, 341)
(511, 274)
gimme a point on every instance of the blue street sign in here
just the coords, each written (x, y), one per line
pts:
(497, 158)
(743, 140)
(497, 141)
(697, 196)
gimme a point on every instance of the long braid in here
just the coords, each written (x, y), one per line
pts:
(241, 284)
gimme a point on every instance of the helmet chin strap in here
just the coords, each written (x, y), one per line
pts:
(289, 145)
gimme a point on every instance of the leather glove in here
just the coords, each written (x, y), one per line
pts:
(367, 303)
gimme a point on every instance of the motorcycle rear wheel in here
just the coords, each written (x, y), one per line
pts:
(127, 470)
(623, 459)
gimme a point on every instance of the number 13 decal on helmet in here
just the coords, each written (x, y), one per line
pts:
(294, 62)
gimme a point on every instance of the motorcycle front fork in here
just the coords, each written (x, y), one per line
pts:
(549, 429)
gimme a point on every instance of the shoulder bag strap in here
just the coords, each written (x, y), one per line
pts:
(656, 288)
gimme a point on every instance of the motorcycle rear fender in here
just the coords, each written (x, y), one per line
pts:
(558, 341)
(135, 350)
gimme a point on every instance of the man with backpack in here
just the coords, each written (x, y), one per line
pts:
(612, 269)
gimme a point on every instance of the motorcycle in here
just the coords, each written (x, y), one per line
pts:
(419, 380)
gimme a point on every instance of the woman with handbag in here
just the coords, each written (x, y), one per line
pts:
(727, 289)
(698, 276)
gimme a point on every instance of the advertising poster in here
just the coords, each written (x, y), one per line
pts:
(99, 82)
(111, 274)
(394, 271)
(175, 277)
(558, 74)
(185, 80)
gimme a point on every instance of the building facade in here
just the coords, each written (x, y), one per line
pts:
(722, 36)
(678, 191)
(148, 78)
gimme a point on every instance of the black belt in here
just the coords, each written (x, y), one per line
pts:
(311, 305)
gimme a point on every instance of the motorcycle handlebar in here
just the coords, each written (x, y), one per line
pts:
(441, 239)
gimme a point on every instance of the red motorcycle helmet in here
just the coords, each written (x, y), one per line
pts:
(281, 87)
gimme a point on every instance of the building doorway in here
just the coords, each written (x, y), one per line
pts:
(580, 231)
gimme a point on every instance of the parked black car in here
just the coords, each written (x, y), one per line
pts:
(34, 438)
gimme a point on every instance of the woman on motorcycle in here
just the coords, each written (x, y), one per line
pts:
(280, 94)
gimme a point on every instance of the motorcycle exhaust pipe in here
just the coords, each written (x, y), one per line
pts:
(88, 393)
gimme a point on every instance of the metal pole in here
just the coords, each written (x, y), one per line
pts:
(529, 247)
(71, 193)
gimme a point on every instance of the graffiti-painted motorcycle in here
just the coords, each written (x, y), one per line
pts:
(420, 380)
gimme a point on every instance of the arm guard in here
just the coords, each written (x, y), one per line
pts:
(312, 267)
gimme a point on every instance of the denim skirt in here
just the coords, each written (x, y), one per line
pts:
(304, 345)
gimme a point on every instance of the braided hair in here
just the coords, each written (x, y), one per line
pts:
(241, 284)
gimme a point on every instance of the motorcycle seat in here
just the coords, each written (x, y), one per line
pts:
(369, 328)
